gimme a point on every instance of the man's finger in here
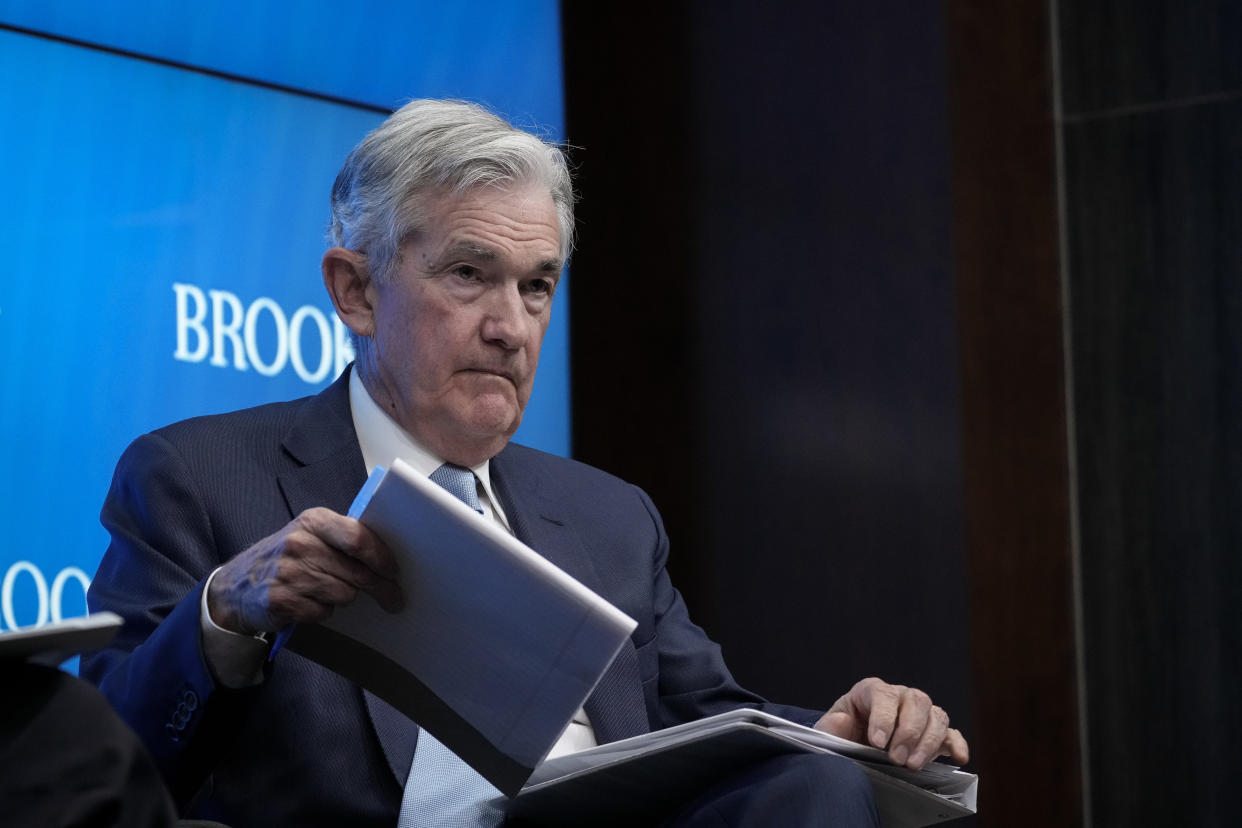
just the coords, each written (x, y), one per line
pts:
(879, 702)
(933, 737)
(330, 575)
(324, 578)
(843, 724)
(351, 537)
(955, 746)
(912, 717)
(327, 562)
(307, 609)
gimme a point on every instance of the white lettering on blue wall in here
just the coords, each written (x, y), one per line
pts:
(48, 603)
(217, 326)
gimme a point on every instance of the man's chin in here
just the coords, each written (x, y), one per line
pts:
(493, 419)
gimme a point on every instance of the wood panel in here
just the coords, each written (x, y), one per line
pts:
(1015, 449)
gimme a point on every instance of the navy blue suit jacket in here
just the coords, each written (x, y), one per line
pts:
(307, 747)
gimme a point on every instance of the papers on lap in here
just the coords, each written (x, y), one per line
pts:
(496, 647)
(636, 781)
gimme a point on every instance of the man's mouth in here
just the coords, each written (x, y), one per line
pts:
(495, 372)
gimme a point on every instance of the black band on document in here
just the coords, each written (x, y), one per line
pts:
(392, 683)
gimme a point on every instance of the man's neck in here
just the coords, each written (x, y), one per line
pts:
(466, 453)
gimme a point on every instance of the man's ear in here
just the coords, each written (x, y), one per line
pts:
(348, 280)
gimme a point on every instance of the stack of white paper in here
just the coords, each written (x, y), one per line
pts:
(636, 781)
(496, 646)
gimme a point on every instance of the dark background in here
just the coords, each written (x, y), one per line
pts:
(920, 323)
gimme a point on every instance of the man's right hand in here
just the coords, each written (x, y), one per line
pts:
(317, 562)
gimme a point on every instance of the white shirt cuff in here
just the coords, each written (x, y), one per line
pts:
(235, 659)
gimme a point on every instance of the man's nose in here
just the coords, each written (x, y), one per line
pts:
(504, 320)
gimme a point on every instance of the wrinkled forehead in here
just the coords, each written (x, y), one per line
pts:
(520, 212)
(427, 205)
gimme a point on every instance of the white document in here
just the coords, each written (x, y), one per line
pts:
(636, 781)
(53, 643)
(496, 646)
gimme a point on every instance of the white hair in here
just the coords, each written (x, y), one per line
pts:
(429, 147)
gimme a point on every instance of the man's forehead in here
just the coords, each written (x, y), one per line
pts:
(446, 200)
(490, 223)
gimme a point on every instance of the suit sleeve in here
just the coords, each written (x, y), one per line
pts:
(692, 679)
(152, 575)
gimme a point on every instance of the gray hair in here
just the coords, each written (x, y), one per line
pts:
(427, 147)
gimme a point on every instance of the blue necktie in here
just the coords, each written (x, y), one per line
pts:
(442, 791)
(460, 483)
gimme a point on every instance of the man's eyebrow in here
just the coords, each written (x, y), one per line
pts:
(469, 250)
(483, 253)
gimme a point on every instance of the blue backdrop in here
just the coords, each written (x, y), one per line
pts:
(166, 173)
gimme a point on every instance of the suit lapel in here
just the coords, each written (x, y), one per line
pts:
(329, 471)
(328, 468)
(616, 706)
(538, 521)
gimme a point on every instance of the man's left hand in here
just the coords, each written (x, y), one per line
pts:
(901, 720)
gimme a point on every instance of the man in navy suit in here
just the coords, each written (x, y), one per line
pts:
(452, 229)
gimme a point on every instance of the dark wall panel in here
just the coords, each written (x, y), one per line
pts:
(1156, 264)
(1126, 53)
(776, 255)
(1153, 183)
(826, 394)
(764, 330)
